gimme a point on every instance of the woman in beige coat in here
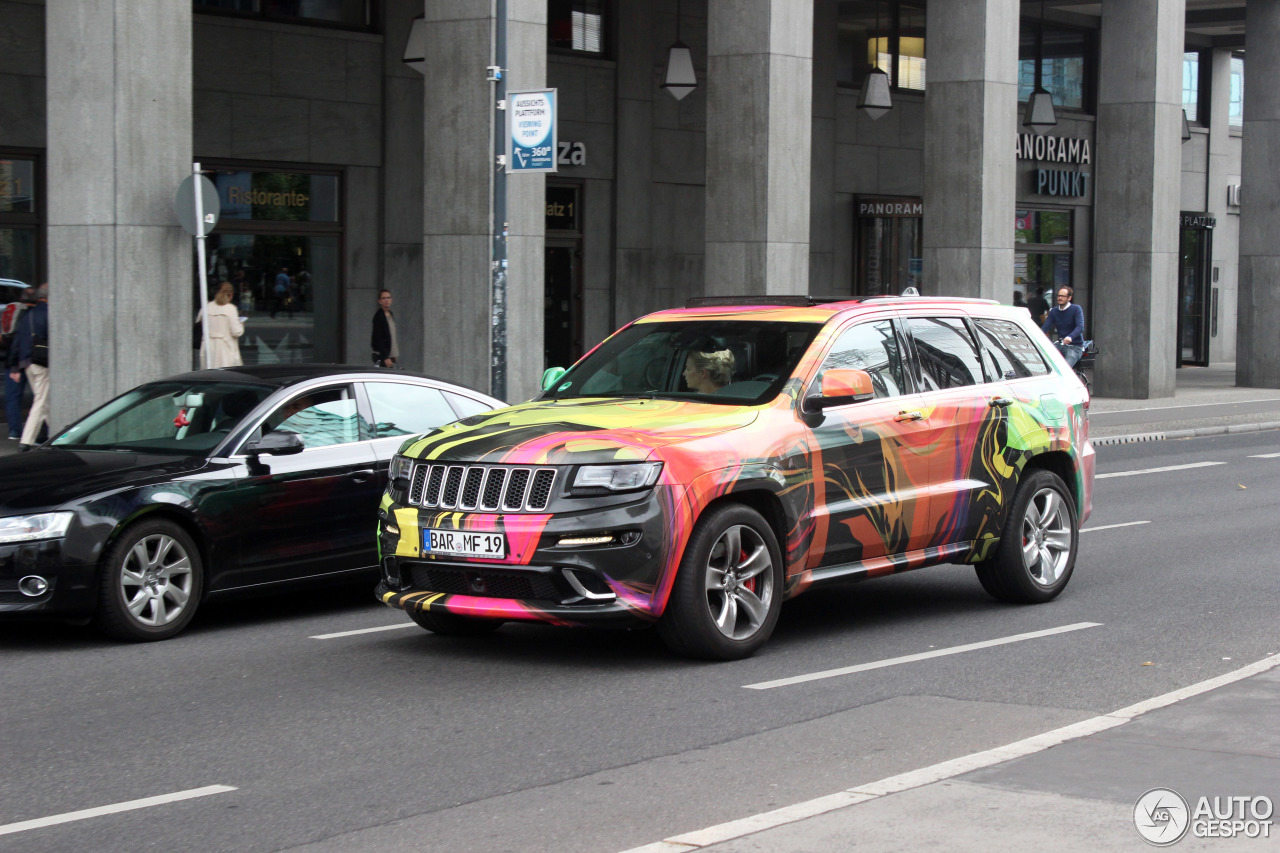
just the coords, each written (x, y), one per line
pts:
(225, 329)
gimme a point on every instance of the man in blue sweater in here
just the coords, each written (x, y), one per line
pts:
(1066, 321)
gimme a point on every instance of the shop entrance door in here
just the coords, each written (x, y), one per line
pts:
(1194, 290)
(563, 330)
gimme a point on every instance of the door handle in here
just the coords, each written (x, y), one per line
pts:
(909, 416)
(362, 476)
(1000, 402)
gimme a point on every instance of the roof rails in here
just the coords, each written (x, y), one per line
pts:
(793, 301)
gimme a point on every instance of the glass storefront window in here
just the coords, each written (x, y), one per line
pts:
(345, 13)
(1065, 64)
(890, 255)
(18, 254)
(277, 196)
(576, 25)
(19, 220)
(896, 45)
(1042, 259)
(17, 186)
(1043, 226)
(1191, 84)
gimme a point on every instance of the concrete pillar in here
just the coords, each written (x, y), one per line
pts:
(759, 131)
(1136, 197)
(526, 211)
(634, 284)
(458, 169)
(970, 114)
(1223, 170)
(119, 130)
(1257, 344)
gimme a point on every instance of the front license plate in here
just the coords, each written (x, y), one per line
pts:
(464, 543)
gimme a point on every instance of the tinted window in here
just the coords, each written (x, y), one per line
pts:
(322, 418)
(872, 347)
(400, 409)
(948, 357)
(1007, 351)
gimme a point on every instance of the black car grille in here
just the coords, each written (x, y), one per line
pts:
(482, 488)
(492, 583)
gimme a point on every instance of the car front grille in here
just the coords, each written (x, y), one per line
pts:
(481, 488)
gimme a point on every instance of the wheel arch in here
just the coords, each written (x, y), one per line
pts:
(160, 513)
(1057, 462)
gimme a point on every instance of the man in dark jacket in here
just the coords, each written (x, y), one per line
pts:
(29, 354)
(14, 389)
(1066, 322)
(383, 342)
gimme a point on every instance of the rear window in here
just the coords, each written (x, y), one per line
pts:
(1007, 351)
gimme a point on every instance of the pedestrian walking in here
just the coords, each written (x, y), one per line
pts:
(14, 389)
(1019, 302)
(225, 329)
(283, 292)
(30, 356)
(385, 345)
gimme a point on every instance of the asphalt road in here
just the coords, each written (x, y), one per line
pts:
(541, 739)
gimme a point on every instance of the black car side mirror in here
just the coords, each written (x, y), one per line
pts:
(276, 444)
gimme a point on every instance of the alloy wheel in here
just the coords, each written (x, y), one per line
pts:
(739, 582)
(156, 580)
(1046, 537)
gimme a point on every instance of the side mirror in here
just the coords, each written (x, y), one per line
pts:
(551, 376)
(276, 444)
(841, 387)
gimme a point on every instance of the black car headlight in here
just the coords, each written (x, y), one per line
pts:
(401, 467)
(611, 479)
(29, 528)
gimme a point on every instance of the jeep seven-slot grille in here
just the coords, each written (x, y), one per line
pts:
(483, 488)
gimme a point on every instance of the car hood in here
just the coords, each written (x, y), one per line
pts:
(51, 477)
(578, 432)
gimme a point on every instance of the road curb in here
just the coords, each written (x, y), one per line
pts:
(1198, 432)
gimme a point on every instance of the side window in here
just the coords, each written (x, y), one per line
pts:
(1007, 351)
(324, 417)
(403, 409)
(948, 357)
(872, 347)
(466, 406)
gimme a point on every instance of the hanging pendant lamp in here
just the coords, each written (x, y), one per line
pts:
(875, 99)
(680, 78)
(1039, 115)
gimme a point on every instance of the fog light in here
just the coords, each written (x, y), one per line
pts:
(33, 586)
(388, 527)
(391, 573)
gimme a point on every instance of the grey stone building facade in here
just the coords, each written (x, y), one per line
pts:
(345, 170)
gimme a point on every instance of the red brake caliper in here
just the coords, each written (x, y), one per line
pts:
(751, 582)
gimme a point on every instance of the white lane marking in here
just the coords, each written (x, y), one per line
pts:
(944, 770)
(1265, 456)
(68, 817)
(1113, 526)
(937, 653)
(394, 627)
(1157, 470)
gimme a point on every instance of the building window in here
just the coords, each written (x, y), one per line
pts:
(1042, 258)
(1191, 85)
(279, 243)
(888, 34)
(576, 25)
(1236, 114)
(350, 14)
(20, 243)
(1066, 64)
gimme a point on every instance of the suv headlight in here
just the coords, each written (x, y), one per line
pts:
(624, 477)
(29, 528)
(401, 467)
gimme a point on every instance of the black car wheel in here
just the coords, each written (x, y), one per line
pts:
(452, 625)
(151, 582)
(728, 591)
(1037, 552)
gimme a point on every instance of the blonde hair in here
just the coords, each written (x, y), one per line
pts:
(227, 288)
(718, 364)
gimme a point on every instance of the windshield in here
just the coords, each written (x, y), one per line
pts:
(181, 418)
(739, 362)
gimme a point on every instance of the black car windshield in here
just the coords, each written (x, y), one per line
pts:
(737, 362)
(180, 418)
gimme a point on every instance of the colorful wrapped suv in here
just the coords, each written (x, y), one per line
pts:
(702, 465)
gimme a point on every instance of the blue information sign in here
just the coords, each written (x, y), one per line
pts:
(531, 131)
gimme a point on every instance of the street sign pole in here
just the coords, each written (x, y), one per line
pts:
(498, 295)
(201, 264)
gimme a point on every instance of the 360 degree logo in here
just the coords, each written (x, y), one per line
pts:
(1161, 816)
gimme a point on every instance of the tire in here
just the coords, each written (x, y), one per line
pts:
(151, 582)
(451, 625)
(722, 607)
(1037, 552)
